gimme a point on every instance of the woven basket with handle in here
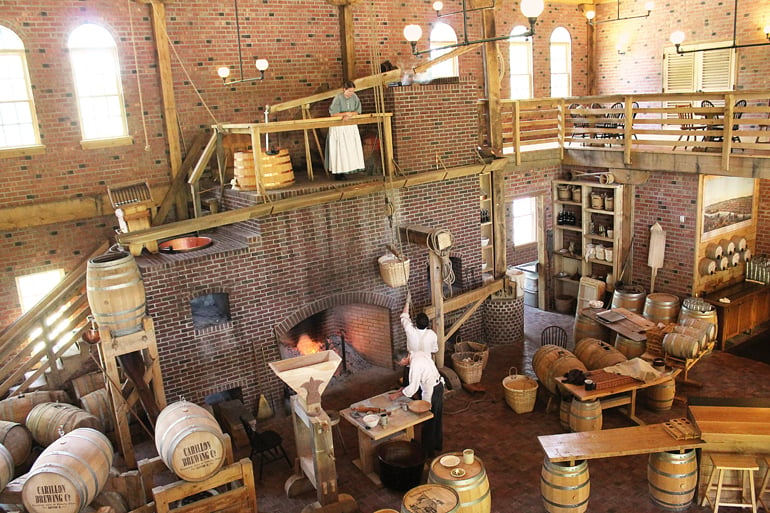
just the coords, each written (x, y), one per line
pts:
(520, 391)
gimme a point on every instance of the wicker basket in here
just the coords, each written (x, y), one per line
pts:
(520, 391)
(474, 347)
(468, 366)
(394, 271)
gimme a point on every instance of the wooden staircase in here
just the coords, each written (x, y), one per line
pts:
(46, 342)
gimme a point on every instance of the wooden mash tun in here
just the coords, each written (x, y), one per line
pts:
(308, 376)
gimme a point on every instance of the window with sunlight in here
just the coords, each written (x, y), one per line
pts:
(96, 71)
(33, 287)
(561, 63)
(524, 213)
(18, 124)
(520, 50)
(443, 35)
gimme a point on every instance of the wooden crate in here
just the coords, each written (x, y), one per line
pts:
(237, 479)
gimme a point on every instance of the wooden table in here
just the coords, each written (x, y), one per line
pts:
(632, 326)
(618, 395)
(400, 426)
(608, 443)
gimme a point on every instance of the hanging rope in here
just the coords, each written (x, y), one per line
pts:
(138, 76)
(379, 104)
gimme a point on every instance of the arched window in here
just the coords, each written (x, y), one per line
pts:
(96, 71)
(18, 123)
(561, 63)
(443, 35)
(520, 50)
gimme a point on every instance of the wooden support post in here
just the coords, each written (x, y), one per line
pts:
(110, 349)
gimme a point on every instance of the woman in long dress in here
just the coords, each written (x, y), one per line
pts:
(344, 153)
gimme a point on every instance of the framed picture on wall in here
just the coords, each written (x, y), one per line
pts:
(728, 204)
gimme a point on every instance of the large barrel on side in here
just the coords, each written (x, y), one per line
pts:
(189, 441)
(472, 487)
(597, 354)
(706, 320)
(17, 439)
(631, 298)
(69, 473)
(46, 421)
(433, 498)
(6, 467)
(16, 408)
(551, 361)
(672, 477)
(661, 307)
(698, 334)
(116, 293)
(565, 488)
(680, 346)
(585, 327)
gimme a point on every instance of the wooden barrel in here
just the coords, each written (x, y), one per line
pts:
(97, 403)
(16, 408)
(87, 383)
(631, 298)
(551, 361)
(17, 439)
(630, 348)
(435, 498)
(243, 170)
(704, 320)
(661, 307)
(698, 334)
(564, 487)
(680, 346)
(585, 327)
(472, 487)
(597, 354)
(116, 293)
(189, 441)
(585, 415)
(661, 397)
(47, 420)
(672, 477)
(276, 170)
(69, 473)
(6, 467)
(564, 409)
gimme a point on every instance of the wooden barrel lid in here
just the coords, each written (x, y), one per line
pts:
(431, 497)
(444, 474)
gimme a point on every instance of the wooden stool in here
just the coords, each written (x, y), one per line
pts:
(746, 465)
(334, 420)
(765, 488)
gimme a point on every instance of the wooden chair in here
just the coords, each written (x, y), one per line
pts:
(554, 335)
(614, 121)
(737, 115)
(268, 445)
(686, 127)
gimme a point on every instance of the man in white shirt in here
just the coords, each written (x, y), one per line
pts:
(424, 375)
(419, 337)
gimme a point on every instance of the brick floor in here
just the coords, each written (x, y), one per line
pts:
(505, 441)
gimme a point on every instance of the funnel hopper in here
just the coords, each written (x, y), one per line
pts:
(313, 370)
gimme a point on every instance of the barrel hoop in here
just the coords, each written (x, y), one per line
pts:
(119, 285)
(80, 460)
(474, 502)
(560, 487)
(572, 473)
(672, 492)
(673, 476)
(579, 504)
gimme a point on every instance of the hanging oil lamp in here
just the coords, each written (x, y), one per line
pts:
(91, 335)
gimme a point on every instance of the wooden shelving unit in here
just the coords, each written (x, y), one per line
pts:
(589, 214)
(486, 219)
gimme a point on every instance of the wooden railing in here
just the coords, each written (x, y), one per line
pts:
(32, 346)
(659, 123)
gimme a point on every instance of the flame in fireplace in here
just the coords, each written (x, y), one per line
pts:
(306, 345)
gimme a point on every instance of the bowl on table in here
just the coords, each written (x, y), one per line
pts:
(370, 420)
